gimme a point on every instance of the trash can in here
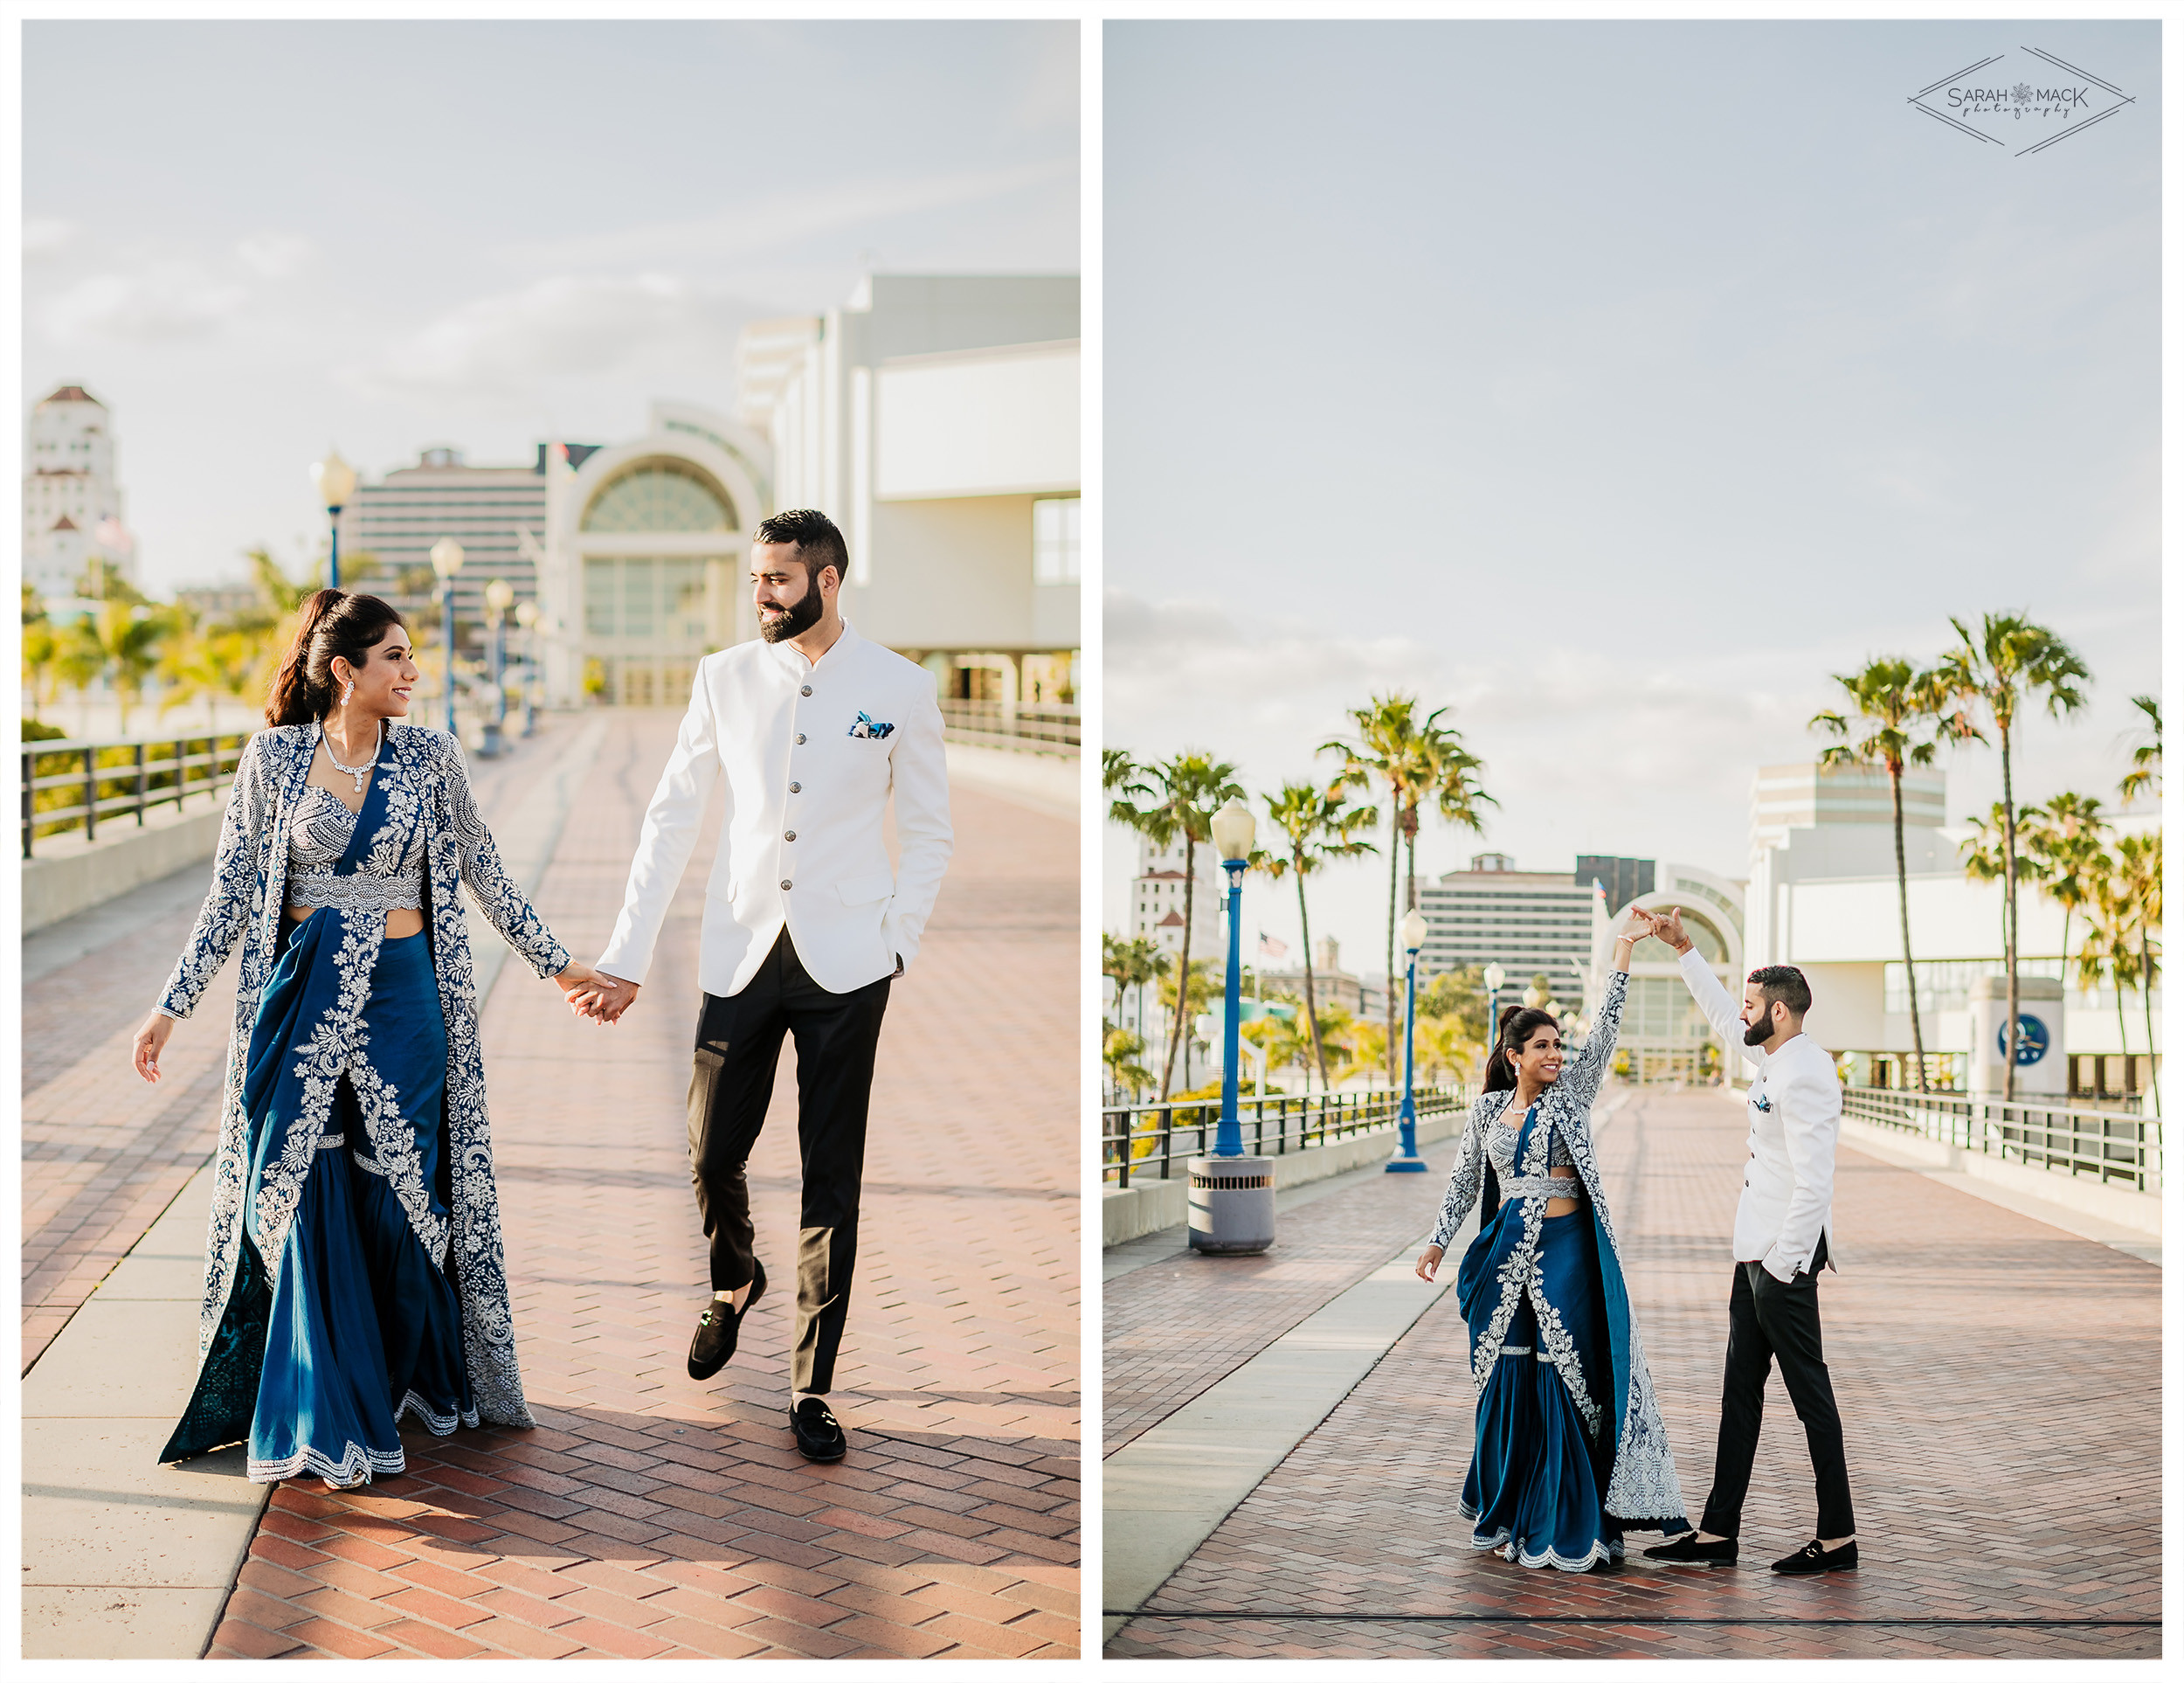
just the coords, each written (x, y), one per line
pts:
(1232, 1205)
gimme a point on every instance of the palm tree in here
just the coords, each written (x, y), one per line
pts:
(2105, 954)
(79, 661)
(1120, 1053)
(2008, 663)
(1132, 964)
(1419, 760)
(2139, 891)
(41, 647)
(1316, 825)
(1197, 997)
(1909, 714)
(1443, 1044)
(2064, 838)
(2145, 758)
(130, 638)
(1180, 795)
(1983, 849)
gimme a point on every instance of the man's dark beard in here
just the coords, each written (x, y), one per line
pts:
(800, 618)
(1758, 1034)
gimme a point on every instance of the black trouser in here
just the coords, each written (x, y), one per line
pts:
(739, 1044)
(1769, 1321)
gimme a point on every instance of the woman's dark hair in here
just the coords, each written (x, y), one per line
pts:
(1519, 1024)
(333, 622)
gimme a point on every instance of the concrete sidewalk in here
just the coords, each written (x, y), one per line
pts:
(1986, 1529)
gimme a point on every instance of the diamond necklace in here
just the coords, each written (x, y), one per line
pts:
(360, 772)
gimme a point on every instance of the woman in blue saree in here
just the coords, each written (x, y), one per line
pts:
(1569, 1448)
(354, 1272)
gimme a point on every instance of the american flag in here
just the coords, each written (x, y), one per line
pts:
(1270, 948)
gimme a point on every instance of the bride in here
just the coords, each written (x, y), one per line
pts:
(353, 1265)
(1569, 1447)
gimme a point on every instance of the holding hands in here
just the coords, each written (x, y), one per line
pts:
(594, 994)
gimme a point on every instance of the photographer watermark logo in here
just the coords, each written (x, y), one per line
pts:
(2023, 101)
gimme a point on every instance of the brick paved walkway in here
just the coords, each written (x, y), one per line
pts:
(2000, 1384)
(650, 1516)
(103, 1154)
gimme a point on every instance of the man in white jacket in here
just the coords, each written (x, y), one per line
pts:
(1795, 1112)
(805, 924)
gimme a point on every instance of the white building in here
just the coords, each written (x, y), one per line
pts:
(642, 564)
(1157, 896)
(936, 419)
(1822, 896)
(71, 496)
(1528, 922)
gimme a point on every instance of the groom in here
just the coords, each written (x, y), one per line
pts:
(805, 924)
(1796, 1111)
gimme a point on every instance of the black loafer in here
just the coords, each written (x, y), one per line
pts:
(714, 1340)
(1812, 1558)
(819, 1435)
(1688, 1550)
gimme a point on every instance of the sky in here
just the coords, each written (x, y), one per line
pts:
(1613, 385)
(254, 240)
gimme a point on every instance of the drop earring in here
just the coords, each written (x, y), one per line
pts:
(347, 693)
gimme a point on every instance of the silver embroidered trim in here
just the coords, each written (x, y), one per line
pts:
(358, 891)
(356, 1464)
(332, 1141)
(1544, 1186)
(429, 814)
(440, 1425)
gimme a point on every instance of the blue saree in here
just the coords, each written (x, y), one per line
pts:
(1569, 1448)
(341, 1320)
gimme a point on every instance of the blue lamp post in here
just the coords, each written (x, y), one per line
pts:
(1233, 829)
(1407, 1159)
(448, 561)
(336, 481)
(1494, 978)
(527, 617)
(499, 594)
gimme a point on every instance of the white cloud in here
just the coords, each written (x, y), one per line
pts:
(560, 326)
(169, 299)
(46, 236)
(274, 256)
(780, 224)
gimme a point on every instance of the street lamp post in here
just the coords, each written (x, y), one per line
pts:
(336, 481)
(499, 594)
(527, 617)
(1494, 978)
(1232, 1195)
(1407, 1159)
(448, 561)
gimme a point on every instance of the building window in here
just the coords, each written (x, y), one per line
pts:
(661, 496)
(1057, 551)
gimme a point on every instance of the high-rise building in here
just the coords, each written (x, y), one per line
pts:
(1528, 922)
(72, 497)
(1156, 900)
(396, 521)
(1622, 880)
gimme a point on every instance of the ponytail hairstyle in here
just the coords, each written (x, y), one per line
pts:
(331, 623)
(1519, 1024)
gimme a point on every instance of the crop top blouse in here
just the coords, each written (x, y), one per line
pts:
(1501, 1151)
(317, 840)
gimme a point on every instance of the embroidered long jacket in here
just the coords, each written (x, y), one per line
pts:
(428, 800)
(1505, 1268)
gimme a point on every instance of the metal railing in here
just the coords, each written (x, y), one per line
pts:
(70, 784)
(1048, 728)
(2063, 1139)
(1142, 1140)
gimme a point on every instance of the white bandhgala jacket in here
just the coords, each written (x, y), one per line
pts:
(1795, 1112)
(812, 751)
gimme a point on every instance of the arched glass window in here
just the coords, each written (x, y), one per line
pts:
(661, 496)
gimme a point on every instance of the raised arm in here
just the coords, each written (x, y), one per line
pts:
(506, 906)
(1582, 1079)
(1714, 1002)
(227, 904)
(665, 843)
(919, 771)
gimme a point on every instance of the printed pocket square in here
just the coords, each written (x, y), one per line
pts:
(869, 726)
